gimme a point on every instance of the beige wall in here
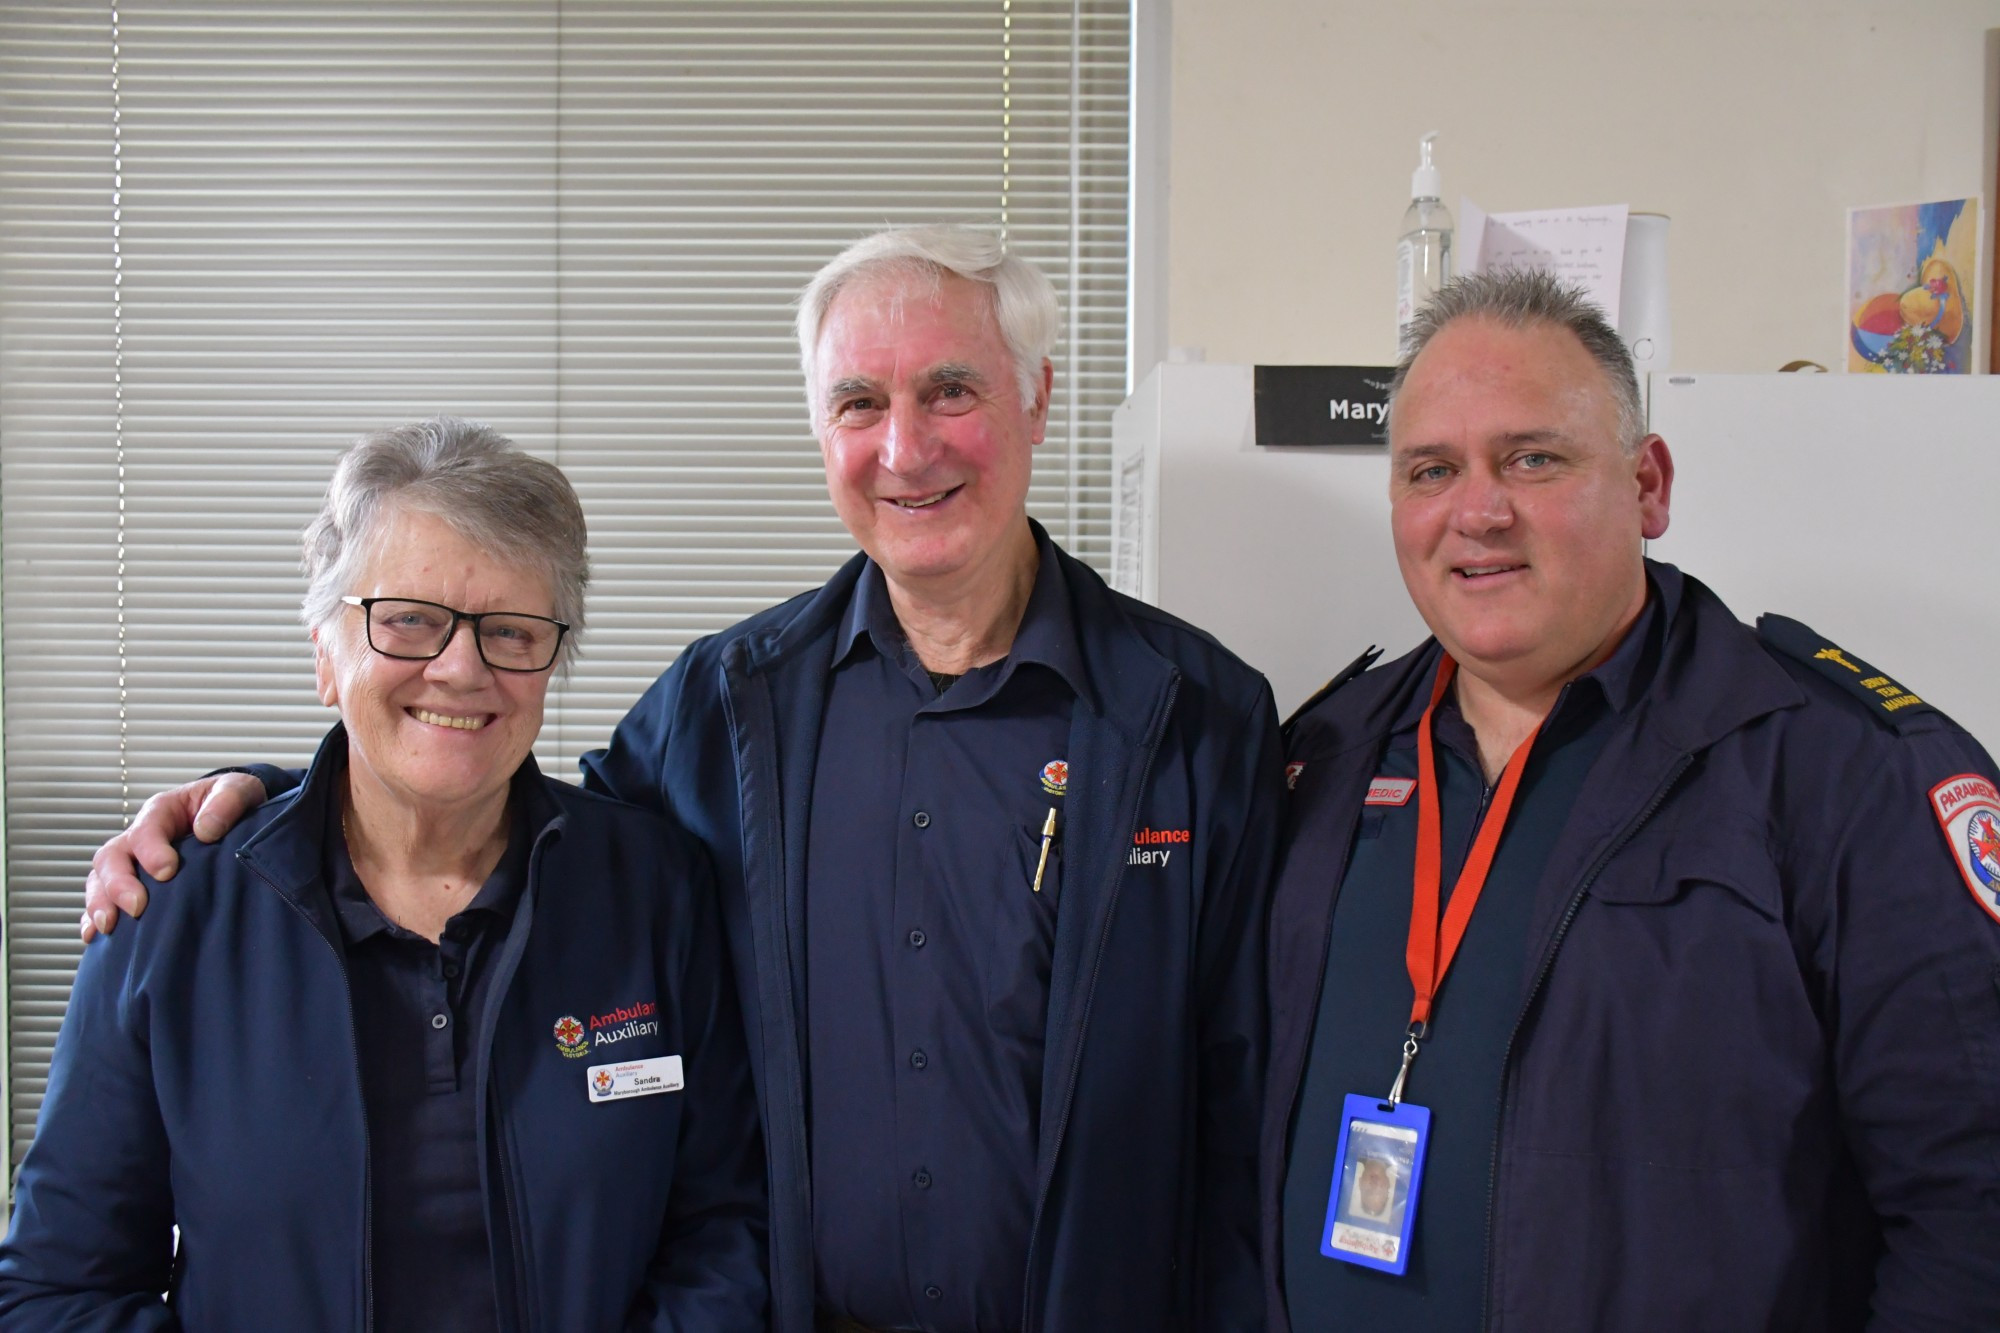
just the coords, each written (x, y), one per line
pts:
(1294, 127)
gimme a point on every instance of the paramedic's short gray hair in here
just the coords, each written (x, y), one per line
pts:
(1024, 303)
(1521, 299)
(513, 506)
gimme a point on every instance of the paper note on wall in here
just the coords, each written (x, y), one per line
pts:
(1585, 246)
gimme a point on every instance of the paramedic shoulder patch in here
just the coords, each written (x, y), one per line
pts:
(1968, 810)
(1885, 698)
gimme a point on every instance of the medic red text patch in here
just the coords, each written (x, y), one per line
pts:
(1390, 791)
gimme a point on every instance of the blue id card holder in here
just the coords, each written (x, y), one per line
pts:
(1378, 1173)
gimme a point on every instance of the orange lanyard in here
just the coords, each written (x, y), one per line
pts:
(1430, 949)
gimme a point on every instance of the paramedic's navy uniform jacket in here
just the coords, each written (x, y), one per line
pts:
(417, 1009)
(1365, 1005)
(1752, 1077)
(207, 1073)
(1143, 1213)
(927, 964)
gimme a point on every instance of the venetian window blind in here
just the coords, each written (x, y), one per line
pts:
(235, 235)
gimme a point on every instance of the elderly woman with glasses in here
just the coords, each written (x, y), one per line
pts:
(435, 1041)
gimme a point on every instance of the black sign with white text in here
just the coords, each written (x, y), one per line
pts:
(1322, 404)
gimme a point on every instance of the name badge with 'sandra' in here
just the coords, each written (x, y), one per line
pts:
(634, 1078)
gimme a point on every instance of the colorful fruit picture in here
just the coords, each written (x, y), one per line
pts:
(1911, 284)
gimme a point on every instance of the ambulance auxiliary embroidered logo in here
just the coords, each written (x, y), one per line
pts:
(570, 1039)
(1968, 809)
(1055, 777)
(1292, 771)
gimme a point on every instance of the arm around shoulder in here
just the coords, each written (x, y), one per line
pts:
(208, 807)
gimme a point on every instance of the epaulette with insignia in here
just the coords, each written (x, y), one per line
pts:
(1346, 673)
(1887, 700)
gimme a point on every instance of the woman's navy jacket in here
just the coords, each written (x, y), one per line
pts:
(207, 1075)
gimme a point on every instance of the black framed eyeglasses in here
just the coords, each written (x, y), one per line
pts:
(414, 631)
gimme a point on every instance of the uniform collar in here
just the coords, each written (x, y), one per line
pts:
(1624, 675)
(1046, 637)
(289, 851)
(1619, 681)
(357, 913)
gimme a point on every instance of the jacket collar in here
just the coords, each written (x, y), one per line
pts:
(1619, 681)
(288, 852)
(1713, 678)
(1047, 631)
(1046, 636)
(772, 645)
(1694, 699)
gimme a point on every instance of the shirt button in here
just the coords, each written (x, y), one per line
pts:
(921, 819)
(439, 1020)
(918, 1059)
(934, 1291)
(451, 969)
(917, 938)
(922, 1179)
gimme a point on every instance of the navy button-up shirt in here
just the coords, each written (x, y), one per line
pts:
(418, 1008)
(1365, 1001)
(927, 961)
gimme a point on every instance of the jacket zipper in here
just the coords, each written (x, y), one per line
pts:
(500, 1136)
(504, 1157)
(1029, 1323)
(367, 1150)
(734, 681)
(1541, 975)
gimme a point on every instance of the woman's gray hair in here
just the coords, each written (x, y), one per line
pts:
(1519, 299)
(517, 508)
(1024, 304)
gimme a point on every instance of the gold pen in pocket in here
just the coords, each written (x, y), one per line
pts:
(1048, 834)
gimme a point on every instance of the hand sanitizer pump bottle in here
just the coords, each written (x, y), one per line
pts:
(1423, 255)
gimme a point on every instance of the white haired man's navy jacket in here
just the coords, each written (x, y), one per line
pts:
(1147, 1214)
(1754, 1081)
(207, 1075)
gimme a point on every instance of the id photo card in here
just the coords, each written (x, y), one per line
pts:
(1371, 1209)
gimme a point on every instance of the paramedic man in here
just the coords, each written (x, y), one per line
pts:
(1721, 1049)
(991, 1102)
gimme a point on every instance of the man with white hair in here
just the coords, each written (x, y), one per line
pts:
(994, 844)
(1648, 935)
